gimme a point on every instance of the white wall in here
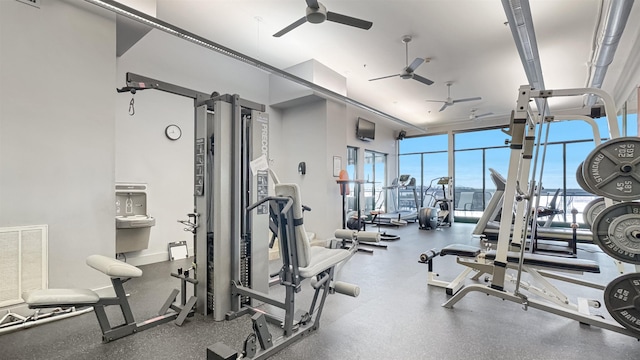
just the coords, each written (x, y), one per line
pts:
(57, 71)
(384, 142)
(144, 154)
(66, 136)
(315, 133)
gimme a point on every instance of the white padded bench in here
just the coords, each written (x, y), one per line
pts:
(60, 297)
(119, 272)
(81, 297)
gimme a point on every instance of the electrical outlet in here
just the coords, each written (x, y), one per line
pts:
(34, 3)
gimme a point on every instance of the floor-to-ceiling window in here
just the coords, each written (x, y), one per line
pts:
(476, 152)
(426, 160)
(374, 180)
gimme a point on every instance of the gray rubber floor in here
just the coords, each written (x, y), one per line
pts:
(396, 316)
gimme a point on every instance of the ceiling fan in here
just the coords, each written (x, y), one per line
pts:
(474, 116)
(317, 13)
(450, 101)
(408, 71)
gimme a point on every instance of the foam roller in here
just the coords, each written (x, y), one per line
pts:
(345, 234)
(368, 236)
(346, 288)
(428, 255)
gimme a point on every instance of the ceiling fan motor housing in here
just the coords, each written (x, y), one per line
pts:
(316, 16)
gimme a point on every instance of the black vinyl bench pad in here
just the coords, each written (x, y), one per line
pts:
(460, 250)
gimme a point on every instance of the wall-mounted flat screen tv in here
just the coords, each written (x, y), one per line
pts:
(365, 130)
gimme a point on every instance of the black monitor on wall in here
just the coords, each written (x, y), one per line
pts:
(365, 130)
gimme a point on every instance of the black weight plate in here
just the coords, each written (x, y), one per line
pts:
(612, 169)
(592, 209)
(580, 179)
(622, 299)
(623, 241)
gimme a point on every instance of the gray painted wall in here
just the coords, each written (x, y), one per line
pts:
(57, 95)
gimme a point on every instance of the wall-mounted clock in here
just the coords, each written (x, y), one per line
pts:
(173, 132)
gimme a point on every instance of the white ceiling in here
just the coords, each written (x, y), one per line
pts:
(468, 42)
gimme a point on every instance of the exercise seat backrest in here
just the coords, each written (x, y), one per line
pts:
(302, 242)
(112, 267)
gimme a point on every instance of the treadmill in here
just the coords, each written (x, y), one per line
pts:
(394, 216)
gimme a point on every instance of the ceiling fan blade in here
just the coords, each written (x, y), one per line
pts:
(384, 77)
(313, 4)
(442, 101)
(444, 106)
(414, 65)
(348, 20)
(297, 23)
(467, 99)
(423, 80)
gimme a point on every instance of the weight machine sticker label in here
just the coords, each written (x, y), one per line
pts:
(262, 179)
(198, 186)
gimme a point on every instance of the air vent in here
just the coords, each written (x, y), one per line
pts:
(34, 3)
(23, 262)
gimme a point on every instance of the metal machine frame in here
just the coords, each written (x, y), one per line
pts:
(230, 132)
(521, 131)
(224, 189)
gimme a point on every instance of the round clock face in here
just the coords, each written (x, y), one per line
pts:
(173, 132)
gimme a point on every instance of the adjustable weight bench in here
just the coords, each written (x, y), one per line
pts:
(459, 250)
(119, 272)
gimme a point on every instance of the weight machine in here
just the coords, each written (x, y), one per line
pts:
(610, 170)
(231, 244)
(235, 213)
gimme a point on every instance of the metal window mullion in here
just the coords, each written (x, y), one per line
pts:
(564, 182)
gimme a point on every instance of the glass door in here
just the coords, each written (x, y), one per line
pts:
(375, 164)
(352, 166)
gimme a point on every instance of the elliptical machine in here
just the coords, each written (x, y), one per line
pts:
(438, 215)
